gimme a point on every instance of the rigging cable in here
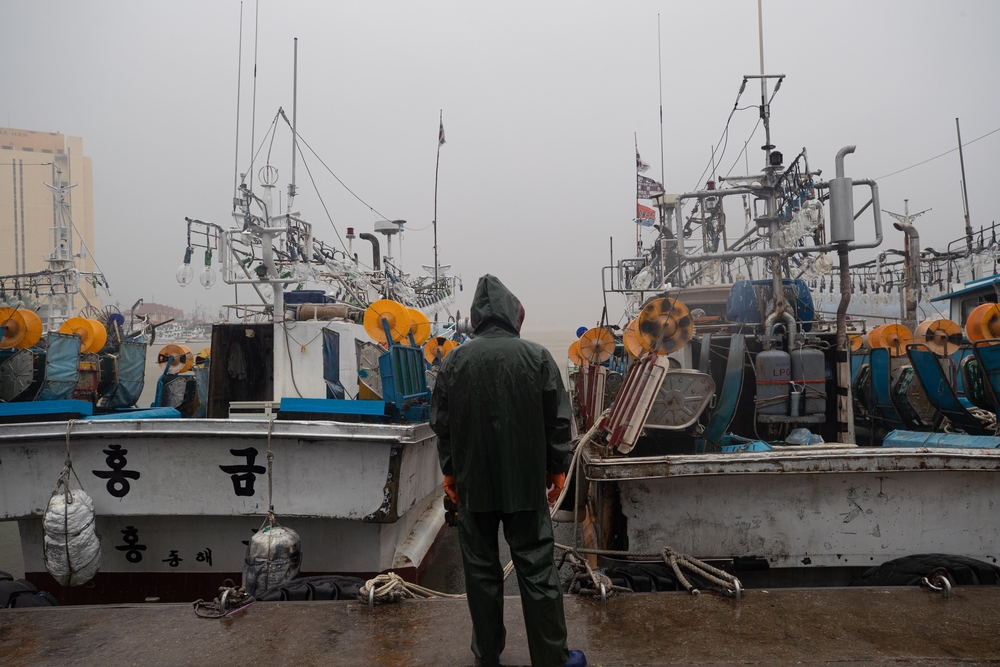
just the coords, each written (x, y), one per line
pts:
(323, 203)
(370, 207)
(253, 159)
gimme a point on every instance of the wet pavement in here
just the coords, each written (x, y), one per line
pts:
(857, 626)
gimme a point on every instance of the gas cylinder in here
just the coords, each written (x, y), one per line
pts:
(774, 373)
(809, 376)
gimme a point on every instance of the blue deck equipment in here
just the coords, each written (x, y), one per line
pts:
(405, 396)
(729, 398)
(880, 389)
(974, 384)
(941, 393)
(987, 352)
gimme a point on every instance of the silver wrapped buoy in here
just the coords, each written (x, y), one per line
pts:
(72, 547)
(274, 556)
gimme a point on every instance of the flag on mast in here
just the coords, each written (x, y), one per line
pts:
(640, 166)
(644, 215)
(441, 134)
(647, 188)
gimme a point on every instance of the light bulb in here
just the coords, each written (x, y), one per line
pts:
(185, 274)
(207, 277)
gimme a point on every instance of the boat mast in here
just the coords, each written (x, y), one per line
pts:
(437, 164)
(662, 238)
(60, 258)
(965, 191)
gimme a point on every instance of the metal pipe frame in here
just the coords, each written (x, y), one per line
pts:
(828, 247)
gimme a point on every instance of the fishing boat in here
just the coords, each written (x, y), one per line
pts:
(310, 403)
(727, 416)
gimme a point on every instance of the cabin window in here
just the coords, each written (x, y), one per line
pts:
(969, 304)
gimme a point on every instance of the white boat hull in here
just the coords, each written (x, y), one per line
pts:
(364, 498)
(811, 507)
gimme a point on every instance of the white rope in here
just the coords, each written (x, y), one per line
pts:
(987, 421)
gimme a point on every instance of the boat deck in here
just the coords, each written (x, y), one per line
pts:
(857, 626)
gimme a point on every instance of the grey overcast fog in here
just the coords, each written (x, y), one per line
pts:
(541, 101)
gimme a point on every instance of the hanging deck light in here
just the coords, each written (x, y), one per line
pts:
(185, 272)
(207, 275)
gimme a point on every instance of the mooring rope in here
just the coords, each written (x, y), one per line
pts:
(728, 584)
(231, 599)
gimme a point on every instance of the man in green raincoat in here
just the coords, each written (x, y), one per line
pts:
(502, 418)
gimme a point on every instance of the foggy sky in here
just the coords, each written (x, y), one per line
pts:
(541, 102)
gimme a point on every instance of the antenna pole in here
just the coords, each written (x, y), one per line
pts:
(253, 112)
(638, 239)
(295, 136)
(965, 192)
(437, 164)
(659, 63)
(239, 81)
(765, 112)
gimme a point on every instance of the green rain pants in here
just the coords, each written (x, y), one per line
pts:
(529, 535)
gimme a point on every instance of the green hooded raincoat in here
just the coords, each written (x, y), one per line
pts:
(502, 418)
(500, 411)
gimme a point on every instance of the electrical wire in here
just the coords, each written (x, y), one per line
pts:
(938, 156)
(724, 135)
(745, 144)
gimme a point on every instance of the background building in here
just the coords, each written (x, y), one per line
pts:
(158, 312)
(28, 214)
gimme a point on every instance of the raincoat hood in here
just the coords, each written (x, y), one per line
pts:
(493, 305)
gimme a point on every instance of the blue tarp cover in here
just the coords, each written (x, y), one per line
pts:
(333, 406)
(902, 438)
(62, 367)
(140, 413)
(52, 407)
(131, 375)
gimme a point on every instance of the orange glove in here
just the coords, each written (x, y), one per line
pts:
(556, 482)
(451, 488)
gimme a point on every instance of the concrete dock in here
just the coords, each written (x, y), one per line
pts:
(857, 626)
